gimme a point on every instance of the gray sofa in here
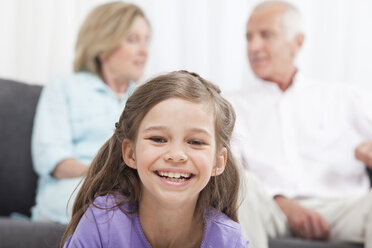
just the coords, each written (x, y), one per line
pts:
(18, 180)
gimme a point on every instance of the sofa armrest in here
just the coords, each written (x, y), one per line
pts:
(24, 233)
(369, 171)
(300, 243)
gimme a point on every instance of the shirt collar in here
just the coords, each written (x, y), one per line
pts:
(273, 87)
(94, 81)
(99, 85)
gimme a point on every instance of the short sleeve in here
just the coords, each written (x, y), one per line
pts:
(242, 243)
(86, 234)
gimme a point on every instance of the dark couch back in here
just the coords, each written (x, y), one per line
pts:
(17, 178)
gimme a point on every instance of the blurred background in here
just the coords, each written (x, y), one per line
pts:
(206, 36)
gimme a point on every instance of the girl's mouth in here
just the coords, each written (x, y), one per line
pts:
(175, 176)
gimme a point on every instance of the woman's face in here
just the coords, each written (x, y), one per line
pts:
(127, 61)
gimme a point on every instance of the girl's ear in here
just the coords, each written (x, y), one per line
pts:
(220, 162)
(128, 153)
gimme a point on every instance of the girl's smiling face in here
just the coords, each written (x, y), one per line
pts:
(175, 153)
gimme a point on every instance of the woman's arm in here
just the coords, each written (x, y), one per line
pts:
(69, 168)
(52, 135)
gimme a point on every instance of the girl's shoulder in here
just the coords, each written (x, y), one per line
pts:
(108, 206)
(221, 231)
(104, 223)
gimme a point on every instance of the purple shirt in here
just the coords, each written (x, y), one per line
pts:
(113, 228)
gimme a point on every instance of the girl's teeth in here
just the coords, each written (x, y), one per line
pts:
(173, 174)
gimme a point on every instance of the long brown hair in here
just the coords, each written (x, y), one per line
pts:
(108, 174)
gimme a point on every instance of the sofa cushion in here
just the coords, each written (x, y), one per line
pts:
(21, 233)
(17, 178)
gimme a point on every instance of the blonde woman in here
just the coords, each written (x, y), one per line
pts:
(75, 113)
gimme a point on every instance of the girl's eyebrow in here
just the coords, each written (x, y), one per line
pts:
(194, 130)
(201, 130)
(155, 128)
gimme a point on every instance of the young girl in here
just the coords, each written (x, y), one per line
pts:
(166, 178)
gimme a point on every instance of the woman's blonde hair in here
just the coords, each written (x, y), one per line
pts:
(108, 173)
(102, 31)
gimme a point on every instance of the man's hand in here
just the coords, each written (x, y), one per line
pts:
(304, 223)
(363, 152)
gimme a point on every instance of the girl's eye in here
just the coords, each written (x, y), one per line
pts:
(196, 142)
(158, 139)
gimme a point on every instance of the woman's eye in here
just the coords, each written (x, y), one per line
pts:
(132, 39)
(196, 142)
(158, 139)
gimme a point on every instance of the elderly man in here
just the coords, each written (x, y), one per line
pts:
(305, 144)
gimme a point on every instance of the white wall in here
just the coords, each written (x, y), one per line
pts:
(206, 36)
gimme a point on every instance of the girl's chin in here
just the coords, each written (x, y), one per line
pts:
(176, 202)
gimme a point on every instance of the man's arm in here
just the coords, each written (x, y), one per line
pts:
(363, 152)
(303, 222)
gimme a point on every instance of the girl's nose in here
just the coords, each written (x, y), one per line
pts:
(177, 156)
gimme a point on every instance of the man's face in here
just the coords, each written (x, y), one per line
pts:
(271, 53)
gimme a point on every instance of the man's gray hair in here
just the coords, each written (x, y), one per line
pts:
(293, 23)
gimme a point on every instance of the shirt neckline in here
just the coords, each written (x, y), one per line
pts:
(99, 85)
(146, 243)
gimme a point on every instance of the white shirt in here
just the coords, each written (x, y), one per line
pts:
(301, 142)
